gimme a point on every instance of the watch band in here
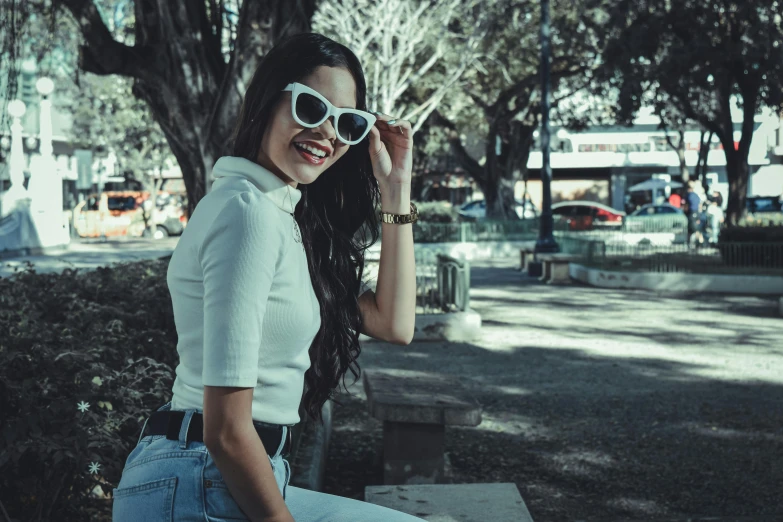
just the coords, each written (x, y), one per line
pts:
(401, 219)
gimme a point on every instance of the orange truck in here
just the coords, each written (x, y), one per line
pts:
(121, 213)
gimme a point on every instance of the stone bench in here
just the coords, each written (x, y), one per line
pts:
(555, 267)
(415, 408)
(526, 253)
(500, 502)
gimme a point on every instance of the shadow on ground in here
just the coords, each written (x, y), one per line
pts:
(600, 405)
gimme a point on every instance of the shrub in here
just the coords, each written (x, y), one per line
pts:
(752, 234)
(104, 338)
(762, 219)
(752, 246)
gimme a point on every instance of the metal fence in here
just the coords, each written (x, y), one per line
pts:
(484, 230)
(739, 258)
(657, 230)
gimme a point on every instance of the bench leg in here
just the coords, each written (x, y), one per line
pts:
(546, 271)
(412, 453)
(560, 274)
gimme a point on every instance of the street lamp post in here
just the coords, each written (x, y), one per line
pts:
(16, 163)
(546, 241)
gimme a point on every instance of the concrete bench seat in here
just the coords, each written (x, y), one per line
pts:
(415, 408)
(555, 267)
(499, 502)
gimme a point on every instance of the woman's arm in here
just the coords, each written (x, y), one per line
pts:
(389, 313)
(239, 454)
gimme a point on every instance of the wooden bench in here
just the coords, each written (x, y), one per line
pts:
(415, 408)
(500, 502)
(555, 267)
(526, 253)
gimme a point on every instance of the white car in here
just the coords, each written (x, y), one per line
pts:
(478, 210)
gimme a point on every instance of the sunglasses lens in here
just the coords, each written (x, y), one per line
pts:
(310, 109)
(351, 126)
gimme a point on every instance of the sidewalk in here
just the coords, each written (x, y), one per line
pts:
(89, 254)
(600, 404)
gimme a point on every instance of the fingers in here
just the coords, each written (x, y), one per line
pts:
(387, 123)
(376, 146)
(403, 125)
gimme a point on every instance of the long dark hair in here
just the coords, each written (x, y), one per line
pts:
(335, 215)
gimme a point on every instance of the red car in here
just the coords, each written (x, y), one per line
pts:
(587, 215)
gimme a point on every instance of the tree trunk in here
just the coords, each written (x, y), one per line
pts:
(684, 173)
(700, 172)
(498, 186)
(179, 69)
(738, 172)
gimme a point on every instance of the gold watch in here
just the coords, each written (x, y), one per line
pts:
(401, 219)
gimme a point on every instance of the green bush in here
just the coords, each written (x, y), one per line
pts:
(752, 234)
(752, 246)
(762, 219)
(104, 338)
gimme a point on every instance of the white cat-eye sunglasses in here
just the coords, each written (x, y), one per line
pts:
(310, 109)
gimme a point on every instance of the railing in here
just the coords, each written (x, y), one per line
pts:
(662, 229)
(724, 258)
(484, 230)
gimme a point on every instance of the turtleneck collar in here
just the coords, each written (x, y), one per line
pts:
(280, 192)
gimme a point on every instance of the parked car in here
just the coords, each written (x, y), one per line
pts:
(759, 204)
(656, 210)
(478, 210)
(664, 218)
(121, 213)
(587, 215)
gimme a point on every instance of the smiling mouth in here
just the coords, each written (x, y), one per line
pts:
(309, 156)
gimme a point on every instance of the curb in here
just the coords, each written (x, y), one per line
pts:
(451, 326)
(678, 282)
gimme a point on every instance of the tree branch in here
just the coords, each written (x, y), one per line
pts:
(102, 54)
(472, 166)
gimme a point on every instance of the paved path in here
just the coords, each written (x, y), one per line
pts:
(89, 254)
(604, 404)
(599, 404)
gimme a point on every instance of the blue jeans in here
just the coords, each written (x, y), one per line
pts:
(176, 481)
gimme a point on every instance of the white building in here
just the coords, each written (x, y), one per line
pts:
(602, 162)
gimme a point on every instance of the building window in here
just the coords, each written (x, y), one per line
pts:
(615, 147)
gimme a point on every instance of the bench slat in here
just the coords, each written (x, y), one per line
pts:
(419, 397)
(498, 502)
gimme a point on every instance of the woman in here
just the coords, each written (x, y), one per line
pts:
(265, 285)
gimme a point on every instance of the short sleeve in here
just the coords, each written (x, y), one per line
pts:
(238, 259)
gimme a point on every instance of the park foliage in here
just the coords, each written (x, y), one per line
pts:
(84, 358)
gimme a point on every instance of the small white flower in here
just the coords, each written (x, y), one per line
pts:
(94, 467)
(83, 406)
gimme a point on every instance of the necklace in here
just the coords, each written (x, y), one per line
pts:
(297, 232)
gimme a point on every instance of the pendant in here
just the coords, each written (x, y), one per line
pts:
(297, 232)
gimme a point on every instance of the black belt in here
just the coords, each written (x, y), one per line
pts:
(169, 423)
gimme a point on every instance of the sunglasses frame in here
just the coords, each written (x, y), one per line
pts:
(331, 111)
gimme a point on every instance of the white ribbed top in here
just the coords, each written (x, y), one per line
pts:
(243, 301)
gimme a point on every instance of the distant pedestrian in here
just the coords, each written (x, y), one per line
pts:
(715, 216)
(675, 200)
(692, 210)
